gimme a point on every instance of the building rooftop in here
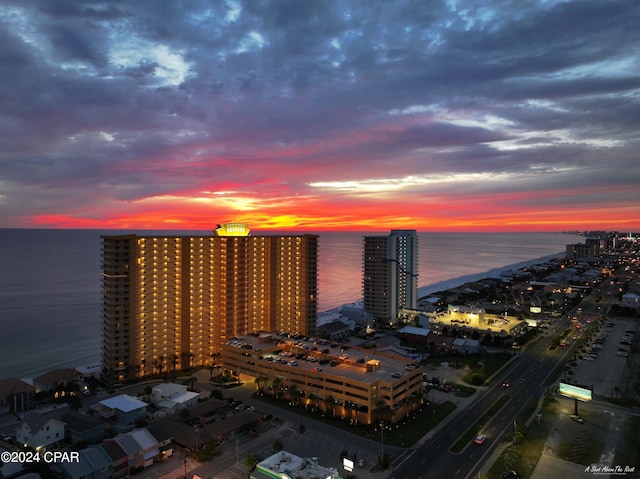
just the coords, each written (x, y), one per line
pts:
(318, 356)
(294, 466)
(124, 403)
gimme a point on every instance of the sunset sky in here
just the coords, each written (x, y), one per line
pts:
(452, 115)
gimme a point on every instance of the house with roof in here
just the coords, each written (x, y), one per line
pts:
(171, 397)
(16, 396)
(93, 463)
(414, 334)
(466, 346)
(133, 450)
(125, 410)
(82, 429)
(163, 436)
(148, 444)
(57, 378)
(38, 430)
(334, 330)
(119, 458)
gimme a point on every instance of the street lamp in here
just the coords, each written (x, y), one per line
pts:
(382, 443)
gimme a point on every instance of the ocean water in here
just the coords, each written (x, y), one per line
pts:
(50, 283)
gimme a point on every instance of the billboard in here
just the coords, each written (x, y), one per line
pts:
(575, 392)
(535, 309)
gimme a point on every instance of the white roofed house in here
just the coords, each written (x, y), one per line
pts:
(172, 397)
(38, 430)
(148, 444)
(124, 409)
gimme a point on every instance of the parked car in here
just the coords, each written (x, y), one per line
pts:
(577, 418)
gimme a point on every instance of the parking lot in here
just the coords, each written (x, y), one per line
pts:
(604, 366)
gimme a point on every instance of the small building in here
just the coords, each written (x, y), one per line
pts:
(102, 467)
(171, 397)
(124, 409)
(119, 458)
(163, 437)
(414, 334)
(289, 466)
(334, 331)
(38, 430)
(57, 378)
(148, 445)
(82, 429)
(466, 346)
(133, 450)
(16, 396)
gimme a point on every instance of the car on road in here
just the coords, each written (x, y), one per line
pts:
(577, 418)
(479, 439)
(506, 384)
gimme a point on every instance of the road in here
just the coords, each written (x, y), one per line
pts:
(530, 374)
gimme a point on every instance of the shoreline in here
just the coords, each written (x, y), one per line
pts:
(429, 289)
(456, 282)
(492, 273)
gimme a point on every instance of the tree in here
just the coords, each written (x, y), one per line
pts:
(277, 445)
(251, 461)
(330, 404)
(293, 396)
(261, 381)
(173, 359)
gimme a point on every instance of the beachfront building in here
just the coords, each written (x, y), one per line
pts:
(16, 396)
(390, 274)
(170, 302)
(357, 384)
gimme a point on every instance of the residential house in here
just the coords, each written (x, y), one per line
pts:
(16, 396)
(148, 444)
(171, 397)
(82, 429)
(56, 379)
(334, 331)
(93, 463)
(163, 436)
(38, 430)
(119, 458)
(125, 410)
(135, 455)
(466, 346)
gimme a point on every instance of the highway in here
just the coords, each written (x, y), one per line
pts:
(530, 373)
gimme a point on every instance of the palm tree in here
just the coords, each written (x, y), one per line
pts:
(293, 389)
(276, 383)
(173, 358)
(313, 399)
(261, 381)
(330, 403)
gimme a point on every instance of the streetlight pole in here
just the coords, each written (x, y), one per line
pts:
(382, 443)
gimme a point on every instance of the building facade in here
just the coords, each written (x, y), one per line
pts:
(170, 302)
(345, 381)
(390, 274)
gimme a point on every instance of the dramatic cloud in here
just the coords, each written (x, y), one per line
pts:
(292, 114)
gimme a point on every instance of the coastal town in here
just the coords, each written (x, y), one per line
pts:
(513, 375)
